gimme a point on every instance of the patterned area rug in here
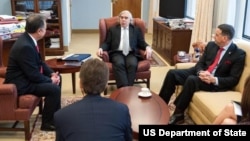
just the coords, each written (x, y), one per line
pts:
(156, 61)
(39, 135)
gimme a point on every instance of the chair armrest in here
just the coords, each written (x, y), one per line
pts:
(142, 53)
(184, 65)
(105, 56)
(3, 71)
(8, 101)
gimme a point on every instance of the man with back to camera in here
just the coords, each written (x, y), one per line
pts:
(94, 118)
(123, 43)
(209, 73)
(29, 72)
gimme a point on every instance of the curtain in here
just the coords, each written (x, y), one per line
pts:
(153, 12)
(202, 28)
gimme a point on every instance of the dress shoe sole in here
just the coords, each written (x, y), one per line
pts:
(48, 128)
(176, 119)
(180, 122)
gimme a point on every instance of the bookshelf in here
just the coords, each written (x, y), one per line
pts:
(53, 39)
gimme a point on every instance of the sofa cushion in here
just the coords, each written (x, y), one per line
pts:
(212, 103)
(246, 47)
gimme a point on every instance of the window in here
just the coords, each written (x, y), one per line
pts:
(190, 8)
(246, 28)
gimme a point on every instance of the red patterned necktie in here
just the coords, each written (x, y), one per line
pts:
(216, 60)
(41, 67)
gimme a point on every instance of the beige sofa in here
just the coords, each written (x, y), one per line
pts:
(205, 106)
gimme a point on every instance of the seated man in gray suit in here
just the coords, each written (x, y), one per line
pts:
(94, 118)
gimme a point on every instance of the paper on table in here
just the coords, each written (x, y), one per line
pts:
(237, 108)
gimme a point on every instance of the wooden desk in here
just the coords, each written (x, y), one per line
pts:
(149, 110)
(7, 45)
(58, 65)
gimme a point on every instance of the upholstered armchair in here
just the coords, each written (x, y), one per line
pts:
(13, 107)
(143, 73)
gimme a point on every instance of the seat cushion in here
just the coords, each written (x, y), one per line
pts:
(28, 101)
(143, 65)
(1, 80)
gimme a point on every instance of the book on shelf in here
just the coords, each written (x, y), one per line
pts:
(76, 59)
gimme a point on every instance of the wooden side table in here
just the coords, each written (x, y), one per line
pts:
(143, 110)
(58, 65)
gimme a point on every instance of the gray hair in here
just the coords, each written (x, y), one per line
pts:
(129, 15)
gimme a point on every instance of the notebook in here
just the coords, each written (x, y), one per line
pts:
(77, 57)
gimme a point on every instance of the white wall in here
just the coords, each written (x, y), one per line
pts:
(86, 13)
(5, 7)
(66, 22)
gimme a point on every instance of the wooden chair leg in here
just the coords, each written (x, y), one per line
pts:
(106, 91)
(15, 124)
(27, 130)
(148, 83)
(40, 105)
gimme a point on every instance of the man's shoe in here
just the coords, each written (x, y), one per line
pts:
(176, 119)
(48, 127)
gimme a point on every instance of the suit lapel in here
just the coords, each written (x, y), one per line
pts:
(227, 54)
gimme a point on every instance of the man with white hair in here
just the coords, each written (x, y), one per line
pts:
(123, 43)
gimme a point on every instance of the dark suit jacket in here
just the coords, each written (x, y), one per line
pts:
(94, 118)
(229, 68)
(24, 65)
(136, 39)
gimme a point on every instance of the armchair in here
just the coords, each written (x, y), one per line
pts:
(143, 73)
(13, 107)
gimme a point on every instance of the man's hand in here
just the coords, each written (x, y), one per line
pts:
(148, 52)
(55, 77)
(206, 77)
(99, 52)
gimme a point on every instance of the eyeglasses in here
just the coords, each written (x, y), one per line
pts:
(123, 17)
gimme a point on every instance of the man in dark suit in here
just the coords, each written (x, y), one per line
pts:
(223, 76)
(94, 118)
(123, 43)
(30, 74)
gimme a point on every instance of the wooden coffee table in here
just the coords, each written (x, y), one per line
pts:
(143, 110)
(58, 65)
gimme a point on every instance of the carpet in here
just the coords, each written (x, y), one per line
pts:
(38, 135)
(157, 61)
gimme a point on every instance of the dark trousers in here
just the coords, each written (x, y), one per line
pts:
(52, 100)
(124, 68)
(190, 82)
